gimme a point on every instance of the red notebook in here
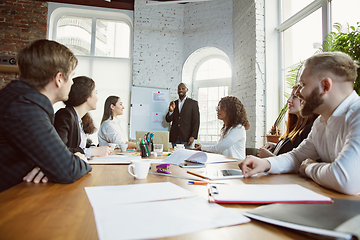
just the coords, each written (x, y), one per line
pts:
(264, 194)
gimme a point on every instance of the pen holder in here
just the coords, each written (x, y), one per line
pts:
(151, 145)
(144, 149)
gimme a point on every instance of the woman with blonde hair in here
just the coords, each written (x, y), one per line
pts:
(233, 133)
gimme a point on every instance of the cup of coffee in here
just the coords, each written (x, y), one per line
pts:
(112, 145)
(158, 149)
(123, 147)
(139, 167)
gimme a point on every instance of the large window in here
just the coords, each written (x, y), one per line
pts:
(101, 40)
(302, 33)
(302, 29)
(212, 79)
(112, 38)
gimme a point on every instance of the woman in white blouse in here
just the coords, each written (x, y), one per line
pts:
(233, 133)
(110, 130)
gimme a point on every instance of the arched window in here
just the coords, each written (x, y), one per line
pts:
(102, 41)
(210, 81)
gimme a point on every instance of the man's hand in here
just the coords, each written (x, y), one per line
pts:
(172, 106)
(190, 140)
(304, 165)
(252, 165)
(270, 146)
(264, 153)
(36, 176)
(102, 151)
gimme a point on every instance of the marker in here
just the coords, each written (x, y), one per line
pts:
(203, 183)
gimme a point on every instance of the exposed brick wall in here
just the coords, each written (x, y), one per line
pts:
(249, 64)
(21, 22)
(208, 24)
(158, 44)
(166, 35)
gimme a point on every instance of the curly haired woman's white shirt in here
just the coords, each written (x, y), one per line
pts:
(232, 144)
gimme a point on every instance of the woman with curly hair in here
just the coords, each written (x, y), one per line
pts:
(233, 136)
(297, 129)
(73, 122)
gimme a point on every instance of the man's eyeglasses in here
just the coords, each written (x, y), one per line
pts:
(217, 108)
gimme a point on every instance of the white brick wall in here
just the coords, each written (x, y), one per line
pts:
(158, 43)
(166, 35)
(249, 64)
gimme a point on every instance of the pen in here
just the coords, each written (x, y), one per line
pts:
(203, 183)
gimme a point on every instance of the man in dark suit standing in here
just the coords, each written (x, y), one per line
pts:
(185, 117)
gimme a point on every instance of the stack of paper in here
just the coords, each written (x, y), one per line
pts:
(114, 159)
(154, 210)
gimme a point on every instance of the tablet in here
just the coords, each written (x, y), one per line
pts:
(217, 174)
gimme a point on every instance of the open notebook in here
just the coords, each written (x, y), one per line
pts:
(195, 157)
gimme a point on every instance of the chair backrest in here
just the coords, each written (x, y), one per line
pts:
(159, 137)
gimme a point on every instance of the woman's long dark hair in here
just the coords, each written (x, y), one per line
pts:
(111, 100)
(236, 113)
(80, 92)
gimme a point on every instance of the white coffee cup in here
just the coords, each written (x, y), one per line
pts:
(123, 147)
(112, 145)
(158, 149)
(140, 168)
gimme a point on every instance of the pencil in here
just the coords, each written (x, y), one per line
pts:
(203, 183)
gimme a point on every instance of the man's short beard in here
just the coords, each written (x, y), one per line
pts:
(311, 103)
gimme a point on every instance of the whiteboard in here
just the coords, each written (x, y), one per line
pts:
(148, 109)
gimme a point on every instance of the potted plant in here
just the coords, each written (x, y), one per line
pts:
(347, 42)
(291, 79)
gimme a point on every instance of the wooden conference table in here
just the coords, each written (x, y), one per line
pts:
(62, 211)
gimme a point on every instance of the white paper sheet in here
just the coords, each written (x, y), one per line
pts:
(114, 159)
(135, 193)
(181, 155)
(162, 219)
(263, 193)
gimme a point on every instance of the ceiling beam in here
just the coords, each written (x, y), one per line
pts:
(116, 4)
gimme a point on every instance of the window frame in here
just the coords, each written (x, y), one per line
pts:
(275, 27)
(56, 11)
(196, 84)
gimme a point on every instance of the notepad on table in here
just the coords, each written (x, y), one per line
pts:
(114, 159)
(264, 194)
(339, 220)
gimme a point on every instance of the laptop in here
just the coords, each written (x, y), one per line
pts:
(159, 137)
